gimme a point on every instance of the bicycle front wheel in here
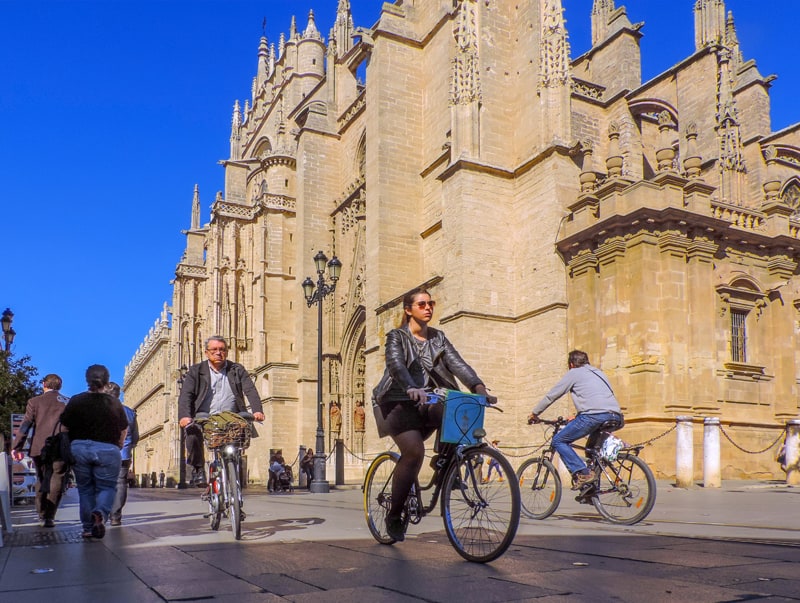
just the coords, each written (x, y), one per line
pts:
(234, 500)
(378, 495)
(214, 506)
(480, 519)
(539, 488)
(626, 490)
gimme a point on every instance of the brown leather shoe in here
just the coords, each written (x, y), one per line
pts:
(581, 479)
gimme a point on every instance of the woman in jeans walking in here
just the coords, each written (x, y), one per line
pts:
(97, 426)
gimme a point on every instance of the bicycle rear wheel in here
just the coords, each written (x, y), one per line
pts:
(539, 488)
(378, 495)
(481, 520)
(626, 490)
(234, 500)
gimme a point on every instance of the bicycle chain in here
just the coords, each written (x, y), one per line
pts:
(725, 433)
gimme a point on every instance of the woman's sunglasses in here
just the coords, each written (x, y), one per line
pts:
(423, 304)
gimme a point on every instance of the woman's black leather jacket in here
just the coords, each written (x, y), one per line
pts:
(401, 353)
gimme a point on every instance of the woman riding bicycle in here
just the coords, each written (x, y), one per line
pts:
(595, 402)
(417, 357)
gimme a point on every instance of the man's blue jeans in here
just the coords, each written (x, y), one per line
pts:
(581, 426)
(96, 470)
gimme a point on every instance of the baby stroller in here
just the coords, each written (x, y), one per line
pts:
(284, 481)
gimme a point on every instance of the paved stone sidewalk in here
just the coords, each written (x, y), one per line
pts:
(739, 543)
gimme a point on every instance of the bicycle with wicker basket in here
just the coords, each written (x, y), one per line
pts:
(227, 436)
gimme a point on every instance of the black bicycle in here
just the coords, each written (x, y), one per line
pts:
(623, 490)
(480, 519)
(224, 492)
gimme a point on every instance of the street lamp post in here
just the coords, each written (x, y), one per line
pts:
(182, 452)
(8, 330)
(314, 294)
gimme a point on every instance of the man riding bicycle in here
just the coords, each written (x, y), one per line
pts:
(210, 387)
(595, 402)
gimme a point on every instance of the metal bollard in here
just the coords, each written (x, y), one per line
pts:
(711, 454)
(339, 462)
(792, 451)
(684, 453)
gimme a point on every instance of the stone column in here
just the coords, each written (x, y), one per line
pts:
(684, 453)
(711, 455)
(792, 451)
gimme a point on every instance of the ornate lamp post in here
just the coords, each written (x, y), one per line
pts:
(8, 330)
(314, 294)
(182, 451)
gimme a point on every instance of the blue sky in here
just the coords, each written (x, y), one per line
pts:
(111, 112)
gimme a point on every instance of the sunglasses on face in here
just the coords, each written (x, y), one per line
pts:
(425, 304)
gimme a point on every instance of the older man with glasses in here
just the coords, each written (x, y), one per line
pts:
(213, 386)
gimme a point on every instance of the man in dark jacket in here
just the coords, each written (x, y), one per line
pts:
(213, 386)
(43, 413)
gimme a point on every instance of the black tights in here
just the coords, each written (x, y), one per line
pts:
(412, 453)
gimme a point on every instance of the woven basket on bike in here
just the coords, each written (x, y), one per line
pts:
(226, 428)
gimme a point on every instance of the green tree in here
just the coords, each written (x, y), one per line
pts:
(17, 386)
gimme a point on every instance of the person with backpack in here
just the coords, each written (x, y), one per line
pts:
(42, 413)
(210, 387)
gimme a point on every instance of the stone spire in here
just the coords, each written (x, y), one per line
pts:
(342, 31)
(293, 29)
(281, 45)
(196, 208)
(465, 85)
(601, 15)
(262, 72)
(311, 31)
(731, 161)
(732, 42)
(554, 49)
(554, 85)
(236, 131)
(709, 23)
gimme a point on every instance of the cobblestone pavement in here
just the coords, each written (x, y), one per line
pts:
(737, 543)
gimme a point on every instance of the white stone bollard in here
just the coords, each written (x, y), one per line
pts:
(792, 452)
(711, 454)
(684, 453)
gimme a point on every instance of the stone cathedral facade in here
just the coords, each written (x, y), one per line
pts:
(547, 202)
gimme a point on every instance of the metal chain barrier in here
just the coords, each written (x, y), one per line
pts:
(360, 458)
(651, 440)
(728, 437)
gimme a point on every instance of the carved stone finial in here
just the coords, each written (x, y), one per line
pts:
(665, 154)
(693, 161)
(614, 161)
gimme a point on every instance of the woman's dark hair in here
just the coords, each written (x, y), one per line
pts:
(97, 377)
(408, 300)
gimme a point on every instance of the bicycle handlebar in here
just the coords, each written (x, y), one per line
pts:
(438, 395)
(559, 421)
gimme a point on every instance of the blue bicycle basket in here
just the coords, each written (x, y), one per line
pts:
(463, 414)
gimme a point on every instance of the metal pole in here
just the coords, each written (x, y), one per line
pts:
(319, 485)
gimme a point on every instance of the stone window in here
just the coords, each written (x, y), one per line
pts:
(743, 302)
(738, 336)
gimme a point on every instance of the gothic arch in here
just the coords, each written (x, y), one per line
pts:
(263, 147)
(352, 385)
(650, 106)
(790, 193)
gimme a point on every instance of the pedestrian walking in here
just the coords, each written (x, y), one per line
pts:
(126, 456)
(42, 413)
(97, 426)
